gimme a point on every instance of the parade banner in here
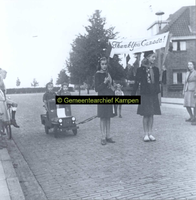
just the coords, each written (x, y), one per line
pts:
(127, 46)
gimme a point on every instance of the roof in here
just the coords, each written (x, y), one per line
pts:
(179, 22)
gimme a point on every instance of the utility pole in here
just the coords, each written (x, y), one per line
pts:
(159, 15)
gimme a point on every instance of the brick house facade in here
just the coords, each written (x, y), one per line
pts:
(182, 26)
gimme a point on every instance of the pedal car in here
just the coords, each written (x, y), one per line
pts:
(59, 118)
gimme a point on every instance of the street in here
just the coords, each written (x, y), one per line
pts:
(79, 167)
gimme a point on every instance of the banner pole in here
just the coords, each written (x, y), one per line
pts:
(166, 48)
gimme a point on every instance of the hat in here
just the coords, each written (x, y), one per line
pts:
(147, 53)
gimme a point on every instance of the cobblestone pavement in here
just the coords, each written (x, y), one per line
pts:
(79, 167)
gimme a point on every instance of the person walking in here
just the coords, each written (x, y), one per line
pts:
(104, 87)
(189, 92)
(147, 76)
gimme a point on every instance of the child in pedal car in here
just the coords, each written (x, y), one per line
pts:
(65, 92)
(49, 95)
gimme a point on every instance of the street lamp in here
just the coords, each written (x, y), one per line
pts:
(159, 15)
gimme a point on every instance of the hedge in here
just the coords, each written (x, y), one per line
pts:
(29, 90)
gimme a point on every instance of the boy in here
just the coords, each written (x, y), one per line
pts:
(119, 92)
(64, 92)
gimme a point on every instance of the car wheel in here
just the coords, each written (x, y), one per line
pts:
(75, 131)
(46, 129)
(55, 131)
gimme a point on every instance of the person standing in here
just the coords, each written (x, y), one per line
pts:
(9, 102)
(189, 92)
(119, 92)
(147, 76)
(4, 116)
(104, 87)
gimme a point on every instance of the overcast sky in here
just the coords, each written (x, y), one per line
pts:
(35, 35)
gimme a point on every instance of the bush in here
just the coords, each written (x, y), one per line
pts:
(82, 87)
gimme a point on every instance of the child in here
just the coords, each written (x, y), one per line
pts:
(64, 92)
(119, 92)
(49, 95)
(147, 77)
(104, 87)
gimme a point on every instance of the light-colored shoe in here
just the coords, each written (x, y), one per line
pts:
(146, 138)
(152, 138)
(103, 142)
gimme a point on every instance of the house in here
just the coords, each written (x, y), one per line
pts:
(182, 26)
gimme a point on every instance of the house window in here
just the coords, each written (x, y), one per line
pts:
(179, 45)
(179, 77)
(175, 46)
(182, 46)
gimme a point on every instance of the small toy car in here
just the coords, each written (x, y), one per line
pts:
(59, 118)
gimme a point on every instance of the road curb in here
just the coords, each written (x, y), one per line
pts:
(173, 103)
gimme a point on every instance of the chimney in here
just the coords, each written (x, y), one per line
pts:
(192, 18)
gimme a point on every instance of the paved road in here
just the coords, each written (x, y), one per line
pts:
(79, 167)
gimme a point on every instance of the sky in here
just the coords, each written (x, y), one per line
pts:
(36, 35)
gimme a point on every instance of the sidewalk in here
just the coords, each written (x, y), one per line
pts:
(10, 188)
(178, 101)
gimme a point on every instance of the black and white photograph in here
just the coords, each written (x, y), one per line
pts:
(97, 99)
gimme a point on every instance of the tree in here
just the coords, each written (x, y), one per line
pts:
(78, 61)
(89, 48)
(18, 82)
(34, 83)
(62, 77)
